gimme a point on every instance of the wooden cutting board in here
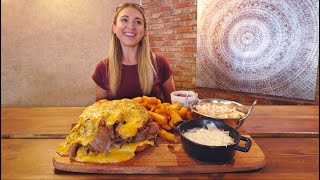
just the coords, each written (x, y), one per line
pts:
(166, 159)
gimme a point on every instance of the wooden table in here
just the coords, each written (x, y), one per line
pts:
(288, 136)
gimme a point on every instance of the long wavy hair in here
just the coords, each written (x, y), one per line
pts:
(146, 60)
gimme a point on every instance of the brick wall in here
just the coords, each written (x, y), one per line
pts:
(172, 27)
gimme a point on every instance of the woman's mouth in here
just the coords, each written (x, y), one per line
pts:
(130, 34)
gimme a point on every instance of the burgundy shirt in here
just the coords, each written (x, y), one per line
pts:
(130, 85)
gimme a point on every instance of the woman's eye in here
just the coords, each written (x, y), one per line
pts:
(124, 20)
(138, 22)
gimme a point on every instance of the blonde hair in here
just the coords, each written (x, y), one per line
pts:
(146, 62)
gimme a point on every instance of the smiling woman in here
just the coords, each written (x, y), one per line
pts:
(129, 28)
(132, 70)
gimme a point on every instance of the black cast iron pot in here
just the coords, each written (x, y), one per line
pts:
(211, 154)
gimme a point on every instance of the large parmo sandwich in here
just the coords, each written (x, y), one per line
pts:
(110, 132)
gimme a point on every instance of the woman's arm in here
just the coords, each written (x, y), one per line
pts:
(101, 93)
(167, 88)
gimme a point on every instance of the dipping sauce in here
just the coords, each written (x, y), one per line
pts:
(210, 136)
(182, 95)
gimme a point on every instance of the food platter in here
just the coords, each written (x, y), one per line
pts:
(166, 158)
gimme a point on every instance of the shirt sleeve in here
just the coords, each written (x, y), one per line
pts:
(99, 75)
(164, 68)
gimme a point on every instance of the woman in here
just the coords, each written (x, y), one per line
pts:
(132, 70)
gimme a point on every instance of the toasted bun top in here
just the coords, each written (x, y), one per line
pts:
(128, 113)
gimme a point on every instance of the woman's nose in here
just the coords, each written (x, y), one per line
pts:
(132, 25)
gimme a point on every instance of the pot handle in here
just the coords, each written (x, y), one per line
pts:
(175, 125)
(249, 111)
(247, 146)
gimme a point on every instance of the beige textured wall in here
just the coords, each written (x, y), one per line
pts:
(49, 49)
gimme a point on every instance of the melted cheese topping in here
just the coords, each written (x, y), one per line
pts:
(129, 114)
(113, 155)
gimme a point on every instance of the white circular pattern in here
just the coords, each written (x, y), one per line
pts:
(259, 46)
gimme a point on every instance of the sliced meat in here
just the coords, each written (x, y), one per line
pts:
(102, 140)
(102, 122)
(153, 130)
(140, 136)
(107, 136)
(111, 132)
(118, 144)
(73, 149)
(149, 131)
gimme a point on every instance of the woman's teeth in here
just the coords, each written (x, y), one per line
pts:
(129, 34)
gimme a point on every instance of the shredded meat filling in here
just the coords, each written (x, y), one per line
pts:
(105, 137)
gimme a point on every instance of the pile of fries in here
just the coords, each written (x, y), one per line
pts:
(164, 114)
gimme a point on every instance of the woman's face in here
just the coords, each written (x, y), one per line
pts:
(129, 27)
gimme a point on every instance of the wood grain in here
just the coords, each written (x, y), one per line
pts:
(287, 158)
(33, 136)
(275, 119)
(44, 120)
(57, 120)
(285, 135)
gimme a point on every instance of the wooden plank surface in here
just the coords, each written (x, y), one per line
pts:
(56, 120)
(284, 134)
(267, 119)
(46, 120)
(287, 158)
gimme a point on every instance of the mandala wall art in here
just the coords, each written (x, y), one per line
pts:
(268, 47)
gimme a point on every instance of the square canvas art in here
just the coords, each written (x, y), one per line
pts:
(259, 46)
